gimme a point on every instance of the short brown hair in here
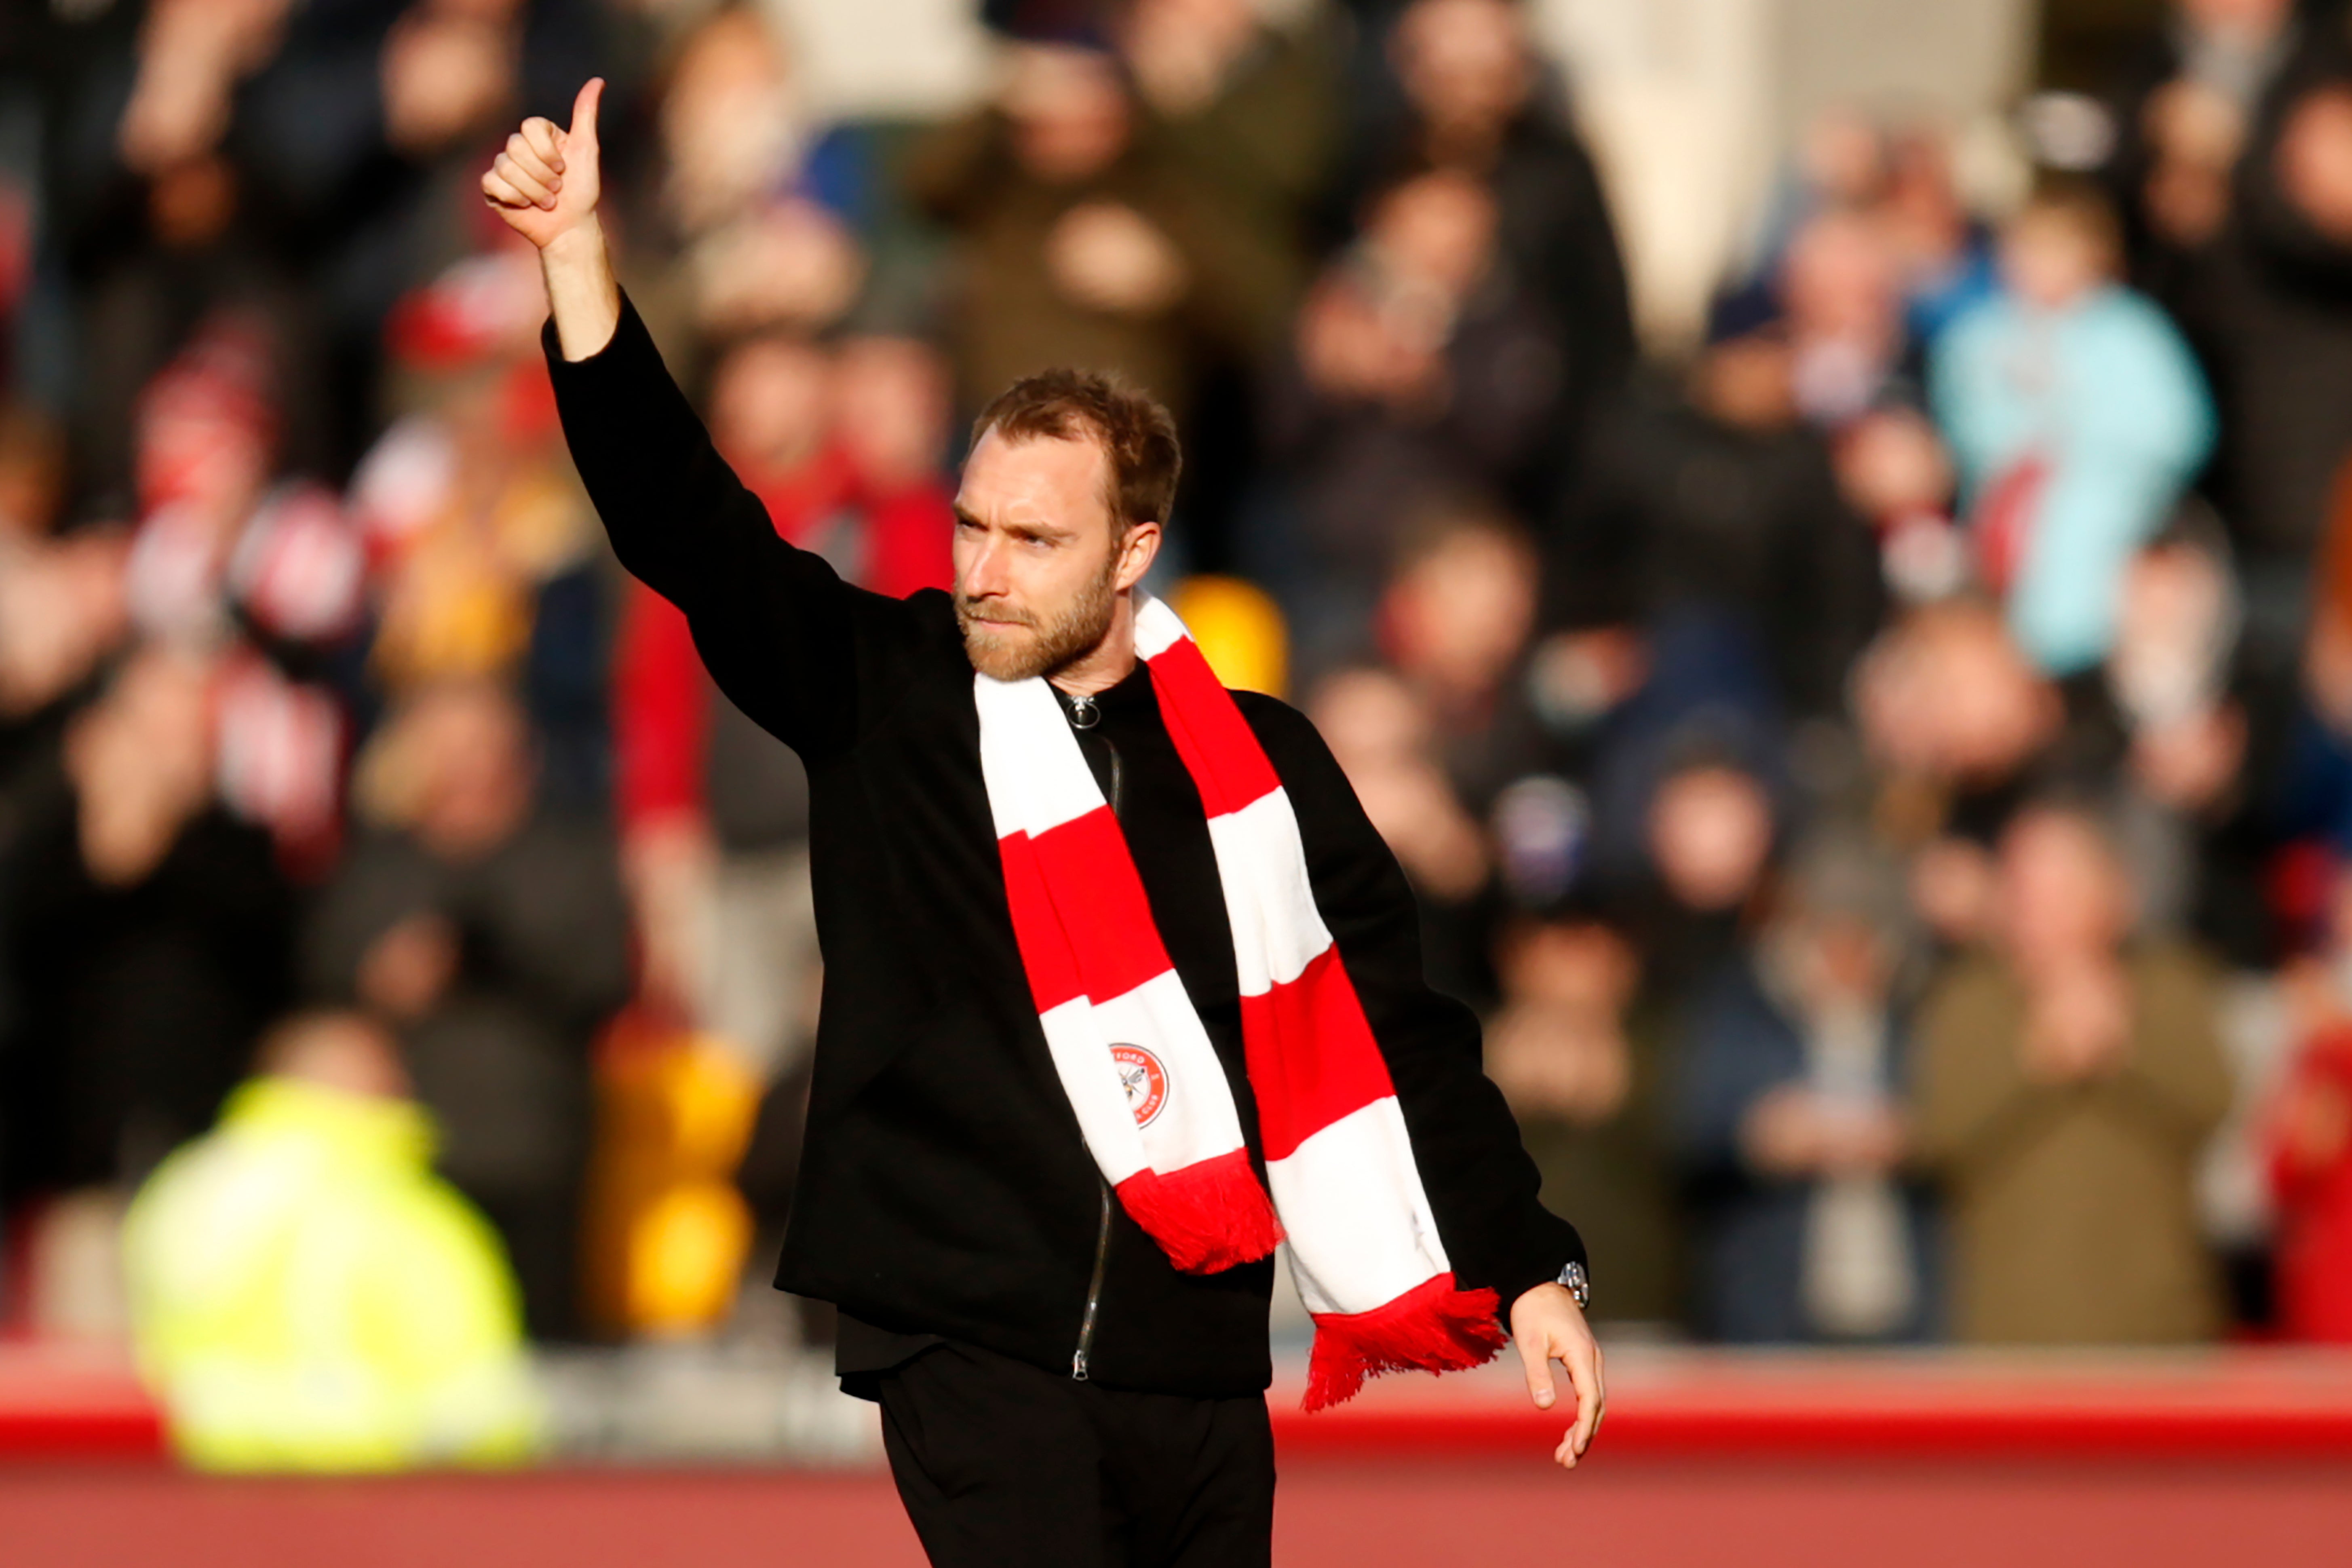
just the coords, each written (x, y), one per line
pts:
(2079, 205)
(1135, 430)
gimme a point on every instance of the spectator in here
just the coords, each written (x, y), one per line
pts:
(2301, 1131)
(844, 450)
(756, 248)
(2169, 679)
(1421, 370)
(1481, 104)
(269, 577)
(307, 1296)
(2077, 415)
(1248, 106)
(1943, 254)
(1083, 244)
(149, 935)
(1585, 1074)
(1896, 473)
(1708, 829)
(1790, 1120)
(1720, 504)
(2068, 1080)
(1454, 621)
(490, 930)
(1839, 294)
(1961, 728)
(1382, 734)
(2230, 125)
(2310, 1149)
(483, 558)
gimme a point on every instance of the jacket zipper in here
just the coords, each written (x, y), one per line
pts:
(1094, 1286)
(1102, 1227)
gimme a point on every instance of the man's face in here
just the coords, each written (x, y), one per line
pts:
(1037, 571)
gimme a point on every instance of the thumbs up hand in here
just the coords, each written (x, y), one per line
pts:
(546, 183)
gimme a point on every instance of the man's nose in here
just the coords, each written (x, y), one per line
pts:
(983, 573)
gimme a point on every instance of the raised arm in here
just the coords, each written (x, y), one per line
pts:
(792, 644)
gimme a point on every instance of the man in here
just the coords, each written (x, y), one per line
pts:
(1094, 985)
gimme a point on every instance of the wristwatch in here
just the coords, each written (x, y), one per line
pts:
(1573, 1281)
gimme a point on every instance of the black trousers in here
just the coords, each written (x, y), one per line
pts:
(1003, 1465)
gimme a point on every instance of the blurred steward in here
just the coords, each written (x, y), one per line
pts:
(306, 1295)
(1792, 1123)
(2077, 415)
(2069, 1079)
(487, 927)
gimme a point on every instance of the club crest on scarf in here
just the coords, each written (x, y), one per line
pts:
(1144, 1079)
(1341, 1185)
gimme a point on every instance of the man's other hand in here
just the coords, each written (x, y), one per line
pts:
(1547, 1325)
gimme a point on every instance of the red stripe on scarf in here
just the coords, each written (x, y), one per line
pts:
(1312, 1056)
(1099, 896)
(1218, 746)
(1434, 1327)
(1212, 1215)
(1045, 955)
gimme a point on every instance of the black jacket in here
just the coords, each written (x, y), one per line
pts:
(944, 1187)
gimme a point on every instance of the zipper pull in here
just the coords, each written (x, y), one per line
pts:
(1083, 714)
(1078, 1367)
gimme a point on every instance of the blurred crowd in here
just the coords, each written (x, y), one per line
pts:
(1885, 771)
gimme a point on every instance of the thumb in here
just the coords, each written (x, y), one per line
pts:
(1535, 1355)
(583, 116)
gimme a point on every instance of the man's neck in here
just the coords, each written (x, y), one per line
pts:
(1111, 659)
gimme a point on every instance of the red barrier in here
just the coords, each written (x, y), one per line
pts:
(2277, 1404)
(69, 1402)
(2266, 1403)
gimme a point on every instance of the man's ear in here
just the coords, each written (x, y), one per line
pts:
(1135, 554)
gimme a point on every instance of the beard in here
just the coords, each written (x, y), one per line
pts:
(1052, 643)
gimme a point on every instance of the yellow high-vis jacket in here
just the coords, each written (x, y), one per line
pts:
(306, 1295)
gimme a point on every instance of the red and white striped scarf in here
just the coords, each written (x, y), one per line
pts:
(1150, 1094)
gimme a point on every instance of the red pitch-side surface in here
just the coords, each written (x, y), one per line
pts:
(1776, 1462)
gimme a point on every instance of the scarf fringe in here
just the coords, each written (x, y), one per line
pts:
(1210, 1215)
(1434, 1327)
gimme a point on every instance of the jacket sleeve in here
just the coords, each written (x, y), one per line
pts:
(1482, 1186)
(799, 650)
